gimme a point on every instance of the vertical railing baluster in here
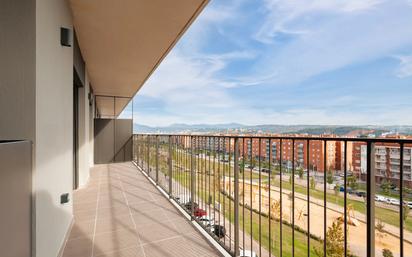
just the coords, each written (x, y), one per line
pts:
(269, 141)
(370, 201)
(192, 178)
(325, 149)
(260, 196)
(170, 163)
(401, 210)
(148, 156)
(236, 196)
(209, 197)
(224, 169)
(243, 193)
(230, 192)
(214, 179)
(157, 159)
(308, 194)
(136, 149)
(281, 198)
(199, 167)
(219, 181)
(293, 198)
(345, 201)
(251, 193)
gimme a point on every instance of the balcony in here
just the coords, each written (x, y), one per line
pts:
(120, 213)
(272, 211)
(379, 152)
(382, 160)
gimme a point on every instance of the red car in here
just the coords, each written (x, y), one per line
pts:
(199, 212)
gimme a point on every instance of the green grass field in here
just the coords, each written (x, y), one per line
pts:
(385, 215)
(250, 221)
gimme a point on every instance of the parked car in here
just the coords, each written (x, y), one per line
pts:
(393, 201)
(380, 198)
(409, 205)
(361, 193)
(198, 212)
(247, 253)
(207, 221)
(265, 170)
(219, 231)
(250, 167)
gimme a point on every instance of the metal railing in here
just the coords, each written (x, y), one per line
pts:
(249, 200)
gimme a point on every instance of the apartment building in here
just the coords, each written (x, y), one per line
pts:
(266, 149)
(386, 161)
(67, 70)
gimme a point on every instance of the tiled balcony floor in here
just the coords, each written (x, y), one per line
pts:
(121, 214)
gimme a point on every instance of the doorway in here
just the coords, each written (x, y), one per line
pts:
(76, 85)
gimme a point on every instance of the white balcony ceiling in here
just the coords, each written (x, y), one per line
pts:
(123, 41)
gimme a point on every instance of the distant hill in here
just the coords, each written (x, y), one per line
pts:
(273, 128)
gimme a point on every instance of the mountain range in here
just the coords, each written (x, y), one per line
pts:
(273, 128)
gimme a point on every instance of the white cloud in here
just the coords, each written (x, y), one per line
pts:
(336, 41)
(192, 86)
(405, 66)
(282, 15)
(183, 82)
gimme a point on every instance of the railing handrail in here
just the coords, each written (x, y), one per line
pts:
(188, 172)
(314, 138)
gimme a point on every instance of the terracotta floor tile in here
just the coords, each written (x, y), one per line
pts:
(175, 247)
(84, 215)
(116, 240)
(128, 252)
(82, 229)
(155, 232)
(78, 248)
(116, 211)
(112, 224)
(115, 191)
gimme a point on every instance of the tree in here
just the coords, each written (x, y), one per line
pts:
(300, 172)
(352, 182)
(380, 227)
(329, 177)
(312, 183)
(241, 165)
(275, 209)
(336, 190)
(335, 240)
(290, 197)
(406, 211)
(253, 162)
(386, 186)
(387, 253)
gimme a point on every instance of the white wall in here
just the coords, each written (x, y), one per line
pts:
(84, 133)
(54, 126)
(36, 103)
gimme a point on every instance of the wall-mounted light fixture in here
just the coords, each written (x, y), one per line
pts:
(64, 198)
(65, 37)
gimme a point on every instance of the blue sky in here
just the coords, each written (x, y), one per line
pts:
(345, 62)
